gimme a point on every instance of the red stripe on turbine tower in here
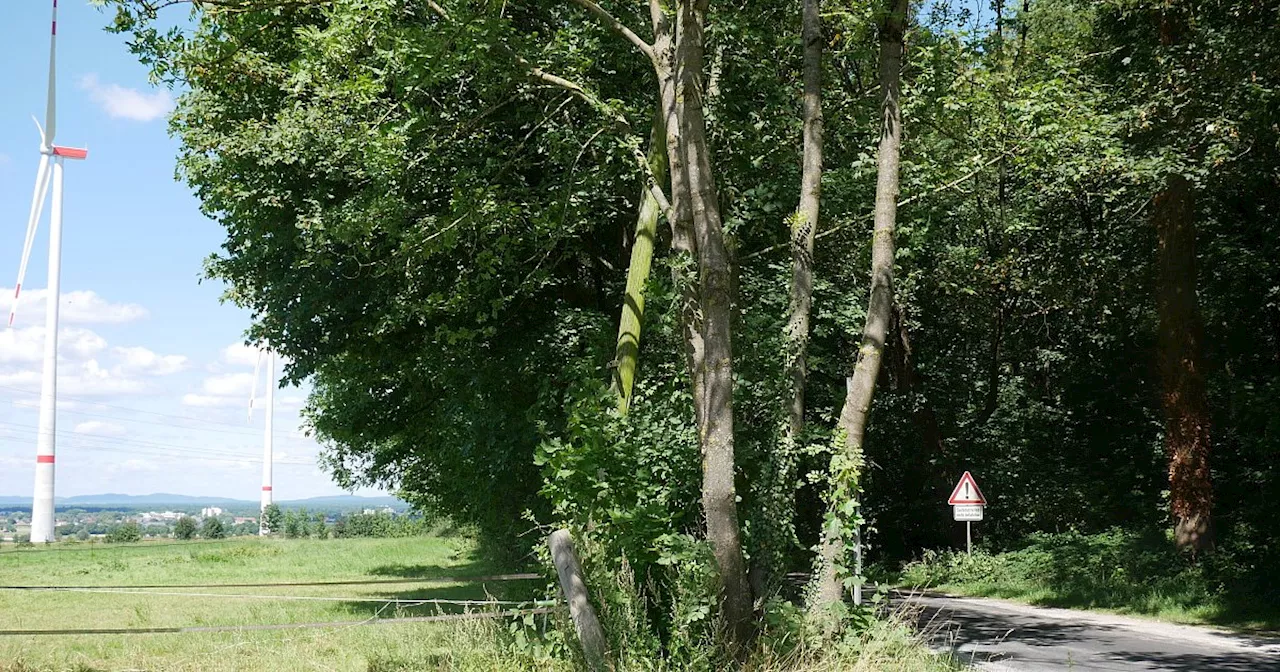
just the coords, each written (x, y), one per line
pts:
(266, 488)
(44, 459)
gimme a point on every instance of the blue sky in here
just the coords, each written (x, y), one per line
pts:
(154, 382)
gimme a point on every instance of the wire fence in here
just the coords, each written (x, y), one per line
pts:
(519, 608)
(467, 616)
(292, 584)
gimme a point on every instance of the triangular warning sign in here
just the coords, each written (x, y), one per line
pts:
(967, 492)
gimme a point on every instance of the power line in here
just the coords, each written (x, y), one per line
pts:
(91, 439)
(174, 453)
(246, 432)
(90, 400)
(31, 429)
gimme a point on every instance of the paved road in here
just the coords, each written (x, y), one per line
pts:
(999, 636)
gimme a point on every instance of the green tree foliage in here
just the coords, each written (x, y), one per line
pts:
(213, 529)
(185, 528)
(295, 524)
(431, 215)
(273, 519)
(124, 533)
(380, 525)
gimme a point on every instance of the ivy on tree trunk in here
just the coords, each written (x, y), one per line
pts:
(847, 456)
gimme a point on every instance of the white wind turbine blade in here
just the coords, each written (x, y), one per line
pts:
(253, 392)
(33, 222)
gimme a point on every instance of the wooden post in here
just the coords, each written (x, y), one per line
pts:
(590, 634)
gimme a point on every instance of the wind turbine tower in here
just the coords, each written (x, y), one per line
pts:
(50, 171)
(267, 458)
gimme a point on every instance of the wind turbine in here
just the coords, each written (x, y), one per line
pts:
(50, 170)
(270, 357)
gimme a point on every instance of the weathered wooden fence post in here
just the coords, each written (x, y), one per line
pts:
(575, 593)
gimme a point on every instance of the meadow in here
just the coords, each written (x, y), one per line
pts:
(202, 585)
(109, 596)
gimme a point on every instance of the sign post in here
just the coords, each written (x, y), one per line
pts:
(967, 504)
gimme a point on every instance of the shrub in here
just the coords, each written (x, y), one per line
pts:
(213, 529)
(185, 528)
(124, 534)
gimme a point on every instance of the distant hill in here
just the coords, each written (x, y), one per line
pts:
(113, 499)
(346, 502)
(161, 499)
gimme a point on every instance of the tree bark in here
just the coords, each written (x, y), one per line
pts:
(1186, 405)
(847, 457)
(805, 224)
(627, 354)
(710, 339)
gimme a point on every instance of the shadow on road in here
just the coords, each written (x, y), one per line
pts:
(1020, 641)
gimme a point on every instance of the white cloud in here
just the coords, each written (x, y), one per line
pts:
(124, 103)
(86, 378)
(99, 428)
(78, 307)
(143, 361)
(26, 345)
(63, 404)
(230, 384)
(240, 354)
(229, 390)
(211, 401)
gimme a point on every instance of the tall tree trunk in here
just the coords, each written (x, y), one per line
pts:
(1186, 405)
(847, 459)
(805, 224)
(775, 536)
(711, 358)
(627, 353)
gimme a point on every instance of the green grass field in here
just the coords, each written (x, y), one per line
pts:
(110, 589)
(381, 647)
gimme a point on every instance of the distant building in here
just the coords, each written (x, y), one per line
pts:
(241, 519)
(210, 512)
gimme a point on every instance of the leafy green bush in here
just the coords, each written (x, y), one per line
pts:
(380, 524)
(125, 533)
(273, 519)
(1117, 569)
(185, 528)
(213, 529)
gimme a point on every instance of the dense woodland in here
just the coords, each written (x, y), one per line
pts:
(727, 287)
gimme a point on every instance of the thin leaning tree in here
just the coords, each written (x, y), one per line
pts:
(847, 455)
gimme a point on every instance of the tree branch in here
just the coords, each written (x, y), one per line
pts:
(589, 98)
(617, 26)
(950, 185)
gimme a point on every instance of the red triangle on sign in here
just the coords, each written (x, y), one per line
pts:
(967, 492)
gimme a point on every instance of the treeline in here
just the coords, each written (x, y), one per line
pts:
(740, 290)
(299, 523)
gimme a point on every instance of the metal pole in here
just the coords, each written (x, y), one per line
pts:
(42, 529)
(968, 538)
(266, 446)
(857, 565)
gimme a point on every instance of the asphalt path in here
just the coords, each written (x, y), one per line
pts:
(1000, 636)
